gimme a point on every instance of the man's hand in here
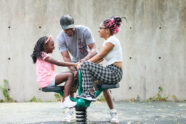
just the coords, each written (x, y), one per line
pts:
(66, 58)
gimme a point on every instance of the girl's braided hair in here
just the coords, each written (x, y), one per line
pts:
(39, 47)
(113, 24)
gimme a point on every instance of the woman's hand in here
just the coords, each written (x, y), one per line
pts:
(78, 65)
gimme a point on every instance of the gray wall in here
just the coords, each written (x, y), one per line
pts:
(153, 41)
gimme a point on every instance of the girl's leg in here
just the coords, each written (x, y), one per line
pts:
(68, 77)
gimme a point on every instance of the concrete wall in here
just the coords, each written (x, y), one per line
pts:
(153, 41)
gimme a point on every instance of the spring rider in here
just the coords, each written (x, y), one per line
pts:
(82, 105)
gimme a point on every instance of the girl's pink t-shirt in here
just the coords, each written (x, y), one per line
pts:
(45, 71)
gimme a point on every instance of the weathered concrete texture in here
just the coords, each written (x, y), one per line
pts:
(153, 41)
(98, 113)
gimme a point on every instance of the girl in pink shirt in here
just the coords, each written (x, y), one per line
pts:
(45, 69)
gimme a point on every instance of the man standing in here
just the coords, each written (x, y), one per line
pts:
(78, 41)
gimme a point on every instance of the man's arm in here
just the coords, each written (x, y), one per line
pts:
(66, 58)
(91, 53)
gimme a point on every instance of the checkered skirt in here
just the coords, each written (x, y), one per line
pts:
(90, 72)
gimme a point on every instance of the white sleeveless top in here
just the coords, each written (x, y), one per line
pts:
(115, 55)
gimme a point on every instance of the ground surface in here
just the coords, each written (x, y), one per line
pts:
(129, 113)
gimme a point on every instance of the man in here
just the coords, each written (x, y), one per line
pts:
(78, 41)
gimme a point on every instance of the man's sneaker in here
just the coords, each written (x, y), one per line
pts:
(88, 96)
(114, 117)
(67, 103)
(70, 115)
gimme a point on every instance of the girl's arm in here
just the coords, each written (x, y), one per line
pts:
(104, 51)
(55, 62)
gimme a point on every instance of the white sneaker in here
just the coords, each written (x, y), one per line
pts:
(67, 103)
(114, 117)
(70, 115)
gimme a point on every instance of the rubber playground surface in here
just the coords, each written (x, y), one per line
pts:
(98, 113)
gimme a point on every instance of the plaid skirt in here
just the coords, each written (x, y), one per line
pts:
(90, 72)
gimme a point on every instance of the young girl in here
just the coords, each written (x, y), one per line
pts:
(45, 69)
